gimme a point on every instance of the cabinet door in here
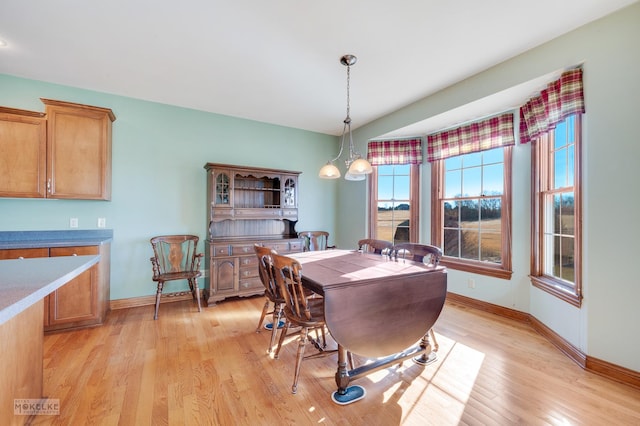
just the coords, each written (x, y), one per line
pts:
(77, 301)
(290, 196)
(225, 275)
(222, 188)
(79, 151)
(23, 151)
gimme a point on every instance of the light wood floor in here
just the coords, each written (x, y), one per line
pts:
(211, 368)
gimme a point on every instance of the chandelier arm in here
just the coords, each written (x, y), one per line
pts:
(344, 129)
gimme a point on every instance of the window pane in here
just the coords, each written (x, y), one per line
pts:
(571, 124)
(568, 269)
(560, 135)
(491, 213)
(385, 213)
(560, 169)
(401, 188)
(385, 170)
(470, 214)
(401, 234)
(557, 203)
(451, 243)
(493, 182)
(493, 156)
(472, 160)
(548, 253)
(453, 163)
(451, 215)
(385, 187)
(570, 165)
(567, 216)
(401, 169)
(470, 245)
(491, 247)
(384, 231)
(453, 184)
(471, 182)
(556, 256)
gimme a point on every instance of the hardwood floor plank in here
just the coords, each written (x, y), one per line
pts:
(212, 368)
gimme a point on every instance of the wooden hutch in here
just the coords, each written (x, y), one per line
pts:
(246, 205)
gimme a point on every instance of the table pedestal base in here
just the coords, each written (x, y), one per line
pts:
(352, 394)
(269, 325)
(425, 359)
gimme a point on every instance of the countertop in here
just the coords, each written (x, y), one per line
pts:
(23, 282)
(65, 238)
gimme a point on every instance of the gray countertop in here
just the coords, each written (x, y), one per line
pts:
(65, 238)
(23, 282)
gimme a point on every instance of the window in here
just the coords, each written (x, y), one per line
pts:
(556, 217)
(471, 206)
(394, 200)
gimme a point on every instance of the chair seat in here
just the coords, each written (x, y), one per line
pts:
(170, 276)
(316, 309)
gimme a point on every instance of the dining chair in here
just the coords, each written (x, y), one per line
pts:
(369, 245)
(175, 258)
(299, 311)
(315, 240)
(423, 253)
(271, 292)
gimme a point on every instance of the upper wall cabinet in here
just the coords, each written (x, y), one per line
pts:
(64, 153)
(78, 151)
(23, 150)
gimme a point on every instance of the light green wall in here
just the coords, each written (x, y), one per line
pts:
(158, 177)
(607, 324)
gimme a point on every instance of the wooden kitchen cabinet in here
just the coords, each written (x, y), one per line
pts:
(78, 150)
(62, 153)
(83, 301)
(23, 152)
(246, 205)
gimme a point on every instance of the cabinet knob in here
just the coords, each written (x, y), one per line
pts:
(49, 185)
(74, 254)
(21, 257)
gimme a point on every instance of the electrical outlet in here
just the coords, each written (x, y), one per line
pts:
(471, 283)
(102, 222)
(73, 222)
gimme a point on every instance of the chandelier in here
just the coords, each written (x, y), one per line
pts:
(357, 167)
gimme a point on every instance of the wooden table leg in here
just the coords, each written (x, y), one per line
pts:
(429, 355)
(345, 394)
(342, 375)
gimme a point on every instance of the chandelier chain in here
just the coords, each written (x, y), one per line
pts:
(348, 119)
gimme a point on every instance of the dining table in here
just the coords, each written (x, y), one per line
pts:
(375, 306)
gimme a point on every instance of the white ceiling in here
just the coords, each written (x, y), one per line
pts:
(277, 61)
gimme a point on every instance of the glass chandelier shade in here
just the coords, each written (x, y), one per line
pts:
(357, 167)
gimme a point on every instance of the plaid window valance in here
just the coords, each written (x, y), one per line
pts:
(407, 151)
(491, 133)
(559, 100)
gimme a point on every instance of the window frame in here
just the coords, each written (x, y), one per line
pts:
(414, 202)
(503, 270)
(541, 170)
